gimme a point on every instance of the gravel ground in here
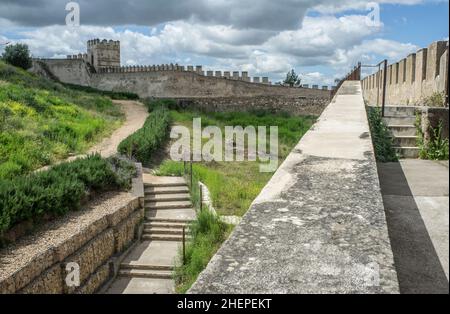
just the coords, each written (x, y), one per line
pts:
(16, 256)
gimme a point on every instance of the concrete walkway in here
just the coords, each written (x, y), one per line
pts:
(318, 226)
(416, 199)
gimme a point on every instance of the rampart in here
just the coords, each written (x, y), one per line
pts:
(100, 68)
(412, 80)
(318, 226)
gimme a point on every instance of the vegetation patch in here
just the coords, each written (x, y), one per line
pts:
(234, 185)
(42, 121)
(381, 137)
(60, 189)
(437, 147)
(111, 94)
(208, 233)
(145, 141)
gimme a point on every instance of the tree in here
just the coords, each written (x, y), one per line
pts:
(292, 79)
(17, 55)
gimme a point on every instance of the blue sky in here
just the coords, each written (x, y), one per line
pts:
(321, 39)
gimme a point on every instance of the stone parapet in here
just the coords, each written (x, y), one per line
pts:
(318, 226)
(413, 80)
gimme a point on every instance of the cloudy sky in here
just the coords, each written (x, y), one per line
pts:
(321, 39)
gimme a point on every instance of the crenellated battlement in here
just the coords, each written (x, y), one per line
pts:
(239, 76)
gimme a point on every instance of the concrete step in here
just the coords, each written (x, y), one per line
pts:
(407, 152)
(399, 111)
(166, 190)
(167, 197)
(146, 273)
(165, 237)
(167, 220)
(124, 266)
(164, 181)
(403, 130)
(173, 215)
(163, 231)
(168, 205)
(405, 141)
(403, 120)
(166, 225)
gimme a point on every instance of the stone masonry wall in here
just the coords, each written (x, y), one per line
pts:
(412, 80)
(92, 246)
(184, 84)
(292, 105)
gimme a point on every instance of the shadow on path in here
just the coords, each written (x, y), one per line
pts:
(417, 263)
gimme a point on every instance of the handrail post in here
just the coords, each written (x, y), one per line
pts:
(383, 101)
(201, 198)
(184, 245)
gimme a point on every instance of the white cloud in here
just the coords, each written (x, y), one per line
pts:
(233, 38)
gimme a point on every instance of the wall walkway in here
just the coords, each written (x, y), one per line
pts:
(319, 224)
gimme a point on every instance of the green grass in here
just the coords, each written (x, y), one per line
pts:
(234, 185)
(208, 233)
(42, 121)
(381, 137)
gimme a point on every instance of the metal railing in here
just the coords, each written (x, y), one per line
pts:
(383, 96)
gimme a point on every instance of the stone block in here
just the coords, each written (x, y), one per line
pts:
(411, 68)
(49, 282)
(33, 268)
(91, 256)
(79, 239)
(125, 232)
(96, 280)
(7, 285)
(435, 52)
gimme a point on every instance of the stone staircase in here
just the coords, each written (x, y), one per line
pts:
(149, 267)
(400, 121)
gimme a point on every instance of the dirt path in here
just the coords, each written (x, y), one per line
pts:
(135, 113)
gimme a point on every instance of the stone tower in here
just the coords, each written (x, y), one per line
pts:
(103, 53)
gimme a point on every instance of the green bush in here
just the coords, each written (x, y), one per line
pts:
(18, 55)
(144, 142)
(438, 146)
(60, 189)
(381, 137)
(111, 94)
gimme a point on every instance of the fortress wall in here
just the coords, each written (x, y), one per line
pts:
(292, 105)
(179, 84)
(73, 71)
(411, 80)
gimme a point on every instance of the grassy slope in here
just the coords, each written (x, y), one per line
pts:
(42, 121)
(234, 185)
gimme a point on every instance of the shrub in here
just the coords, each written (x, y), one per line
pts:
(141, 144)
(18, 55)
(381, 137)
(60, 189)
(111, 94)
(438, 146)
